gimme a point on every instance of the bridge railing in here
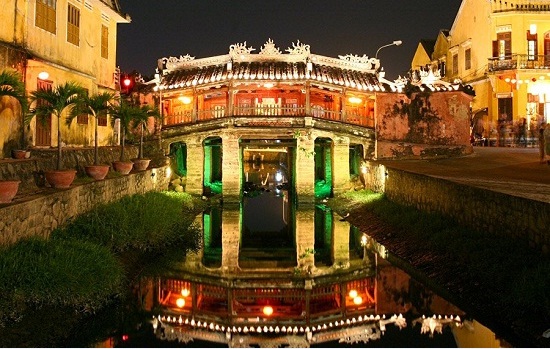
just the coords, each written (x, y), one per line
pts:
(189, 117)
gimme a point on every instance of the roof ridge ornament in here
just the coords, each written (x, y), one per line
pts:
(237, 50)
(299, 49)
(269, 48)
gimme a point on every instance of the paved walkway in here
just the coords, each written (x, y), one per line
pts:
(514, 171)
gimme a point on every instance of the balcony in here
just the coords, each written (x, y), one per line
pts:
(268, 111)
(517, 61)
(521, 5)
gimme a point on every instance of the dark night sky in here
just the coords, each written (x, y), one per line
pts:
(204, 28)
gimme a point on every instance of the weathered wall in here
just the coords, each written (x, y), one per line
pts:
(427, 125)
(484, 210)
(41, 213)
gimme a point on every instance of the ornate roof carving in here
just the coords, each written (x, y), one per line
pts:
(269, 49)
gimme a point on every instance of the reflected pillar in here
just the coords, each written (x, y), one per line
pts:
(340, 168)
(305, 239)
(231, 168)
(231, 235)
(340, 243)
(195, 167)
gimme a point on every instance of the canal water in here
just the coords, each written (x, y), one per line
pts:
(272, 273)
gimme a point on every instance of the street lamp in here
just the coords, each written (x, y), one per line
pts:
(395, 42)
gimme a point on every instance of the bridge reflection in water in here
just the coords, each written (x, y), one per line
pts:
(303, 279)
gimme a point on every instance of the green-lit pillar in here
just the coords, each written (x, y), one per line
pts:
(231, 169)
(195, 166)
(305, 168)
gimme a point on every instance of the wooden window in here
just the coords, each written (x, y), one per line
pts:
(468, 59)
(82, 119)
(104, 41)
(73, 25)
(455, 64)
(46, 15)
(504, 45)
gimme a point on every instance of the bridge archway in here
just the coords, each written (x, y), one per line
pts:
(323, 154)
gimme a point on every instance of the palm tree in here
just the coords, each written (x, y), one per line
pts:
(140, 121)
(56, 101)
(125, 112)
(11, 84)
(96, 105)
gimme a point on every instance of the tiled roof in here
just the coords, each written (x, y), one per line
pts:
(275, 71)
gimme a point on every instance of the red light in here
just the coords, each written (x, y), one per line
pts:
(127, 82)
(125, 337)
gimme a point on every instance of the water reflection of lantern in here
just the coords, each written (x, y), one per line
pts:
(180, 302)
(185, 292)
(268, 310)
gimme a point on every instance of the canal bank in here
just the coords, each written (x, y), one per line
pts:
(503, 173)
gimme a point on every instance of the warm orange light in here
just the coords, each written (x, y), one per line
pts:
(180, 302)
(357, 300)
(355, 100)
(127, 82)
(352, 294)
(185, 99)
(185, 292)
(268, 310)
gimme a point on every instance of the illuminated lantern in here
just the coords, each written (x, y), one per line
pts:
(352, 293)
(268, 310)
(185, 292)
(180, 302)
(357, 300)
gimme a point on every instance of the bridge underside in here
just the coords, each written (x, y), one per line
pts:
(323, 157)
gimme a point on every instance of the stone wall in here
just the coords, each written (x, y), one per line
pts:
(30, 171)
(41, 213)
(484, 210)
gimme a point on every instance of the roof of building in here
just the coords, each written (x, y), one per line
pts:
(271, 71)
(428, 45)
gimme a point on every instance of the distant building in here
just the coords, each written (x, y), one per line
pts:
(501, 49)
(51, 42)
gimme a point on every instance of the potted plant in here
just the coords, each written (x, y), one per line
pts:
(125, 112)
(96, 106)
(139, 122)
(57, 101)
(11, 85)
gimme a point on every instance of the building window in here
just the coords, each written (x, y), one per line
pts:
(504, 46)
(46, 15)
(82, 119)
(73, 25)
(468, 59)
(455, 64)
(104, 41)
(102, 120)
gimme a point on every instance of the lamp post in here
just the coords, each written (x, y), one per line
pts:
(395, 42)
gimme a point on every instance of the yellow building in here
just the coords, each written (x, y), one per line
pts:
(502, 49)
(51, 42)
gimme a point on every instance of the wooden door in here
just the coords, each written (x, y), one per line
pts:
(44, 124)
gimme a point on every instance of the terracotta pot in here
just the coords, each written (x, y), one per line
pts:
(19, 154)
(141, 164)
(97, 172)
(8, 189)
(60, 179)
(123, 167)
